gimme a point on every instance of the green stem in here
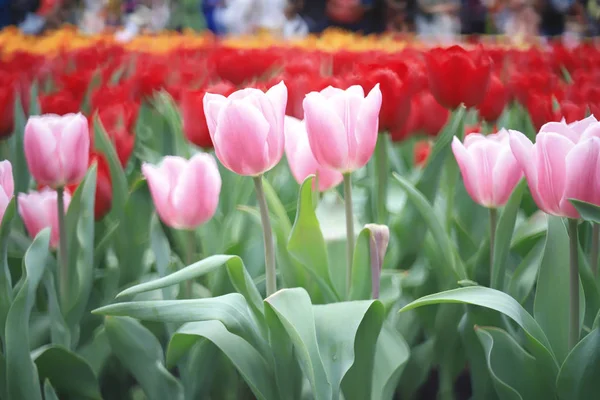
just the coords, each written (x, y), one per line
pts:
(349, 228)
(4, 150)
(190, 254)
(63, 258)
(573, 284)
(493, 222)
(381, 159)
(270, 267)
(595, 248)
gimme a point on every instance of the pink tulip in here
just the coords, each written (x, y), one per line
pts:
(563, 164)
(301, 159)
(342, 126)
(39, 210)
(57, 149)
(7, 186)
(488, 167)
(247, 128)
(185, 192)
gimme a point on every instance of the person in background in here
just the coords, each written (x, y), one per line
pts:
(593, 12)
(473, 17)
(400, 15)
(553, 15)
(519, 21)
(295, 27)
(208, 9)
(149, 15)
(366, 16)
(5, 13)
(238, 17)
(313, 13)
(438, 19)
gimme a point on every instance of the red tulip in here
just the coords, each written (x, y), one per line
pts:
(76, 83)
(103, 196)
(540, 108)
(421, 152)
(192, 113)
(494, 101)
(119, 122)
(433, 116)
(7, 102)
(108, 95)
(60, 103)
(457, 76)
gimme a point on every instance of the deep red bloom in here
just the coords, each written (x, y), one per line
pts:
(151, 78)
(540, 109)
(421, 152)
(494, 101)
(433, 116)
(119, 122)
(7, 103)
(192, 113)
(77, 83)
(107, 95)
(103, 196)
(240, 66)
(457, 76)
(60, 103)
(396, 95)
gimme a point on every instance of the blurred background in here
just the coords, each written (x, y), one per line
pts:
(291, 19)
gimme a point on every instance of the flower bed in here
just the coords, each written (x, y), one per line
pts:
(188, 218)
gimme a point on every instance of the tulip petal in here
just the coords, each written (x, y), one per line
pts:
(326, 133)
(159, 184)
(212, 105)
(593, 130)
(6, 178)
(74, 148)
(484, 154)
(467, 168)
(582, 164)
(562, 129)
(522, 149)
(367, 127)
(580, 126)
(506, 175)
(41, 148)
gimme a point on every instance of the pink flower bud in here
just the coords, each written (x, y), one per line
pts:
(301, 159)
(7, 186)
(342, 126)
(185, 192)
(57, 149)
(488, 167)
(39, 210)
(247, 128)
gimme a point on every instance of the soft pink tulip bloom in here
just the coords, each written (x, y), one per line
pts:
(562, 164)
(39, 210)
(57, 149)
(342, 126)
(7, 186)
(488, 167)
(301, 159)
(185, 192)
(247, 128)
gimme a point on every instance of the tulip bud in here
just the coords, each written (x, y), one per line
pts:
(488, 167)
(342, 126)
(57, 149)
(247, 128)
(301, 159)
(185, 192)
(380, 238)
(39, 210)
(7, 186)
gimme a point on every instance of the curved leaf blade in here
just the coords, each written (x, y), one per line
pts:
(578, 376)
(391, 356)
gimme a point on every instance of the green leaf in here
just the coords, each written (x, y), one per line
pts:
(165, 105)
(361, 286)
(67, 372)
(140, 352)
(306, 243)
(501, 302)
(248, 361)
(589, 212)
(162, 252)
(120, 189)
(59, 331)
(19, 163)
(578, 376)
(391, 357)
(416, 371)
(80, 233)
(440, 236)
(49, 393)
(21, 376)
(231, 309)
(551, 304)
(523, 279)
(6, 293)
(504, 233)
(295, 312)
(512, 369)
(241, 280)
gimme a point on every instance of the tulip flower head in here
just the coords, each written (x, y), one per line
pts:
(246, 128)
(57, 148)
(342, 126)
(7, 186)
(185, 192)
(489, 169)
(561, 165)
(39, 210)
(301, 159)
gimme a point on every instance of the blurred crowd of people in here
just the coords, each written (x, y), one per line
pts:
(439, 19)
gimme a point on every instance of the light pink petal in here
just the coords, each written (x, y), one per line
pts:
(326, 132)
(468, 169)
(560, 128)
(522, 149)
(160, 185)
(473, 138)
(506, 175)
(35, 213)
(328, 178)
(172, 167)
(550, 159)
(210, 184)
(593, 130)
(297, 149)
(6, 178)
(41, 152)
(277, 95)
(212, 105)
(74, 148)
(356, 90)
(484, 154)
(331, 91)
(580, 126)
(243, 93)
(367, 127)
(241, 139)
(4, 200)
(582, 174)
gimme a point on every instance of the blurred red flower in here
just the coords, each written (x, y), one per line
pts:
(421, 152)
(61, 103)
(119, 122)
(494, 101)
(103, 196)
